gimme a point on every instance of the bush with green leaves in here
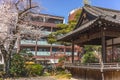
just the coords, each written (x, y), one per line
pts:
(26, 54)
(89, 58)
(34, 69)
(17, 67)
(46, 74)
(63, 74)
(2, 73)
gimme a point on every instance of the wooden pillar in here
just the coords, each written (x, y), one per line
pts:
(112, 50)
(72, 51)
(103, 45)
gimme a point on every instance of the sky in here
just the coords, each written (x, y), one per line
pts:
(63, 7)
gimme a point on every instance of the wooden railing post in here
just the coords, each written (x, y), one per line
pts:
(117, 65)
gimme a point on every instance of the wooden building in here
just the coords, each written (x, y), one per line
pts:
(96, 26)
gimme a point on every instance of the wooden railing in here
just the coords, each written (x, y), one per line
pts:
(94, 65)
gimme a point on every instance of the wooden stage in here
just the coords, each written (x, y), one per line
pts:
(95, 71)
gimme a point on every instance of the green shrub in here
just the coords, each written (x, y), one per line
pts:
(17, 65)
(68, 76)
(34, 69)
(63, 74)
(2, 73)
(89, 58)
(1, 79)
(46, 74)
(60, 68)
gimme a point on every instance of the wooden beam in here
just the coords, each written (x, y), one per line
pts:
(112, 50)
(88, 37)
(82, 38)
(112, 33)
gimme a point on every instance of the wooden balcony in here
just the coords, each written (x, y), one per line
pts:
(94, 66)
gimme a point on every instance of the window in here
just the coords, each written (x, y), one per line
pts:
(57, 22)
(37, 18)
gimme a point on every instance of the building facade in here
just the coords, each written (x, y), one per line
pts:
(43, 51)
(73, 13)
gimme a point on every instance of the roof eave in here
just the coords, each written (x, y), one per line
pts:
(70, 35)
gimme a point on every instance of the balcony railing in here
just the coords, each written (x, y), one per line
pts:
(46, 32)
(70, 53)
(41, 53)
(32, 42)
(47, 53)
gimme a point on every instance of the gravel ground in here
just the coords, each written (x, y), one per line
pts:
(41, 78)
(33, 78)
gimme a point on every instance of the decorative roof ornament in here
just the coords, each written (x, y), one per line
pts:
(86, 2)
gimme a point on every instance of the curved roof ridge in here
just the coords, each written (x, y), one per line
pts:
(99, 11)
(90, 10)
(108, 9)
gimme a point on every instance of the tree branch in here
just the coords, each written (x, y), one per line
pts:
(30, 2)
(16, 4)
(26, 10)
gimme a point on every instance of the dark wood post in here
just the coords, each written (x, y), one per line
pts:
(72, 51)
(103, 45)
(112, 50)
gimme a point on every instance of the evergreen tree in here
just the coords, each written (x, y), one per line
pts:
(64, 28)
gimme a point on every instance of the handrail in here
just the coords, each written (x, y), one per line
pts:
(94, 65)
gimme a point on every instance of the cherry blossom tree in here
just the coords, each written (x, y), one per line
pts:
(12, 26)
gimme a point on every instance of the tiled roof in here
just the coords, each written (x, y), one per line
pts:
(99, 14)
(98, 11)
